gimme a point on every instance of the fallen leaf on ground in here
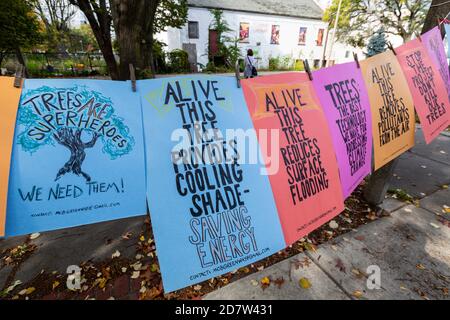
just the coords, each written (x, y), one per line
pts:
(55, 284)
(116, 254)
(254, 282)
(340, 265)
(420, 266)
(308, 246)
(357, 294)
(11, 287)
(135, 274)
(333, 224)
(34, 235)
(27, 291)
(154, 268)
(434, 225)
(198, 287)
(279, 282)
(127, 236)
(304, 283)
(265, 281)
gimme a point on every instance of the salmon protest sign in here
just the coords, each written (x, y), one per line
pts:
(391, 105)
(212, 211)
(434, 45)
(344, 100)
(9, 100)
(306, 187)
(427, 88)
(78, 155)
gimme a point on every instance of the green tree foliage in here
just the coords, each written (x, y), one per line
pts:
(19, 27)
(359, 18)
(170, 13)
(377, 43)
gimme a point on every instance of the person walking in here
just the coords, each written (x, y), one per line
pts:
(250, 69)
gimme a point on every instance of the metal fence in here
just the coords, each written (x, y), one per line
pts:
(57, 64)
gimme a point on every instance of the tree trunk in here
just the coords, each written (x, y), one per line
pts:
(133, 23)
(149, 62)
(110, 60)
(71, 139)
(439, 10)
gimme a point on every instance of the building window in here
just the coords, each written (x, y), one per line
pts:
(319, 40)
(193, 29)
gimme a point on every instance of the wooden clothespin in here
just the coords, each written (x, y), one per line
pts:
(355, 57)
(18, 76)
(389, 45)
(418, 36)
(237, 73)
(308, 69)
(132, 77)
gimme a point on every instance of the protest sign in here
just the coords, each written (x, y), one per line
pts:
(9, 100)
(447, 32)
(78, 155)
(306, 186)
(427, 88)
(344, 100)
(391, 105)
(434, 45)
(212, 212)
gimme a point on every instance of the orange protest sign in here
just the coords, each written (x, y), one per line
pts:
(391, 105)
(9, 100)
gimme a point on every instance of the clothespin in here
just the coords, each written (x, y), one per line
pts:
(308, 69)
(389, 45)
(237, 73)
(132, 77)
(355, 56)
(418, 36)
(18, 76)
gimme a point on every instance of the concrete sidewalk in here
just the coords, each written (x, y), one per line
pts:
(411, 247)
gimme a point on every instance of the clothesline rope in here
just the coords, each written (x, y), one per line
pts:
(440, 4)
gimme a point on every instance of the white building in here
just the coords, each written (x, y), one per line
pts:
(271, 28)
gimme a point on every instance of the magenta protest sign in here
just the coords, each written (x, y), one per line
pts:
(434, 45)
(345, 102)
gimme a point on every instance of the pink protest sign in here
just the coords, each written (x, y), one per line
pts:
(306, 185)
(427, 88)
(345, 102)
(432, 41)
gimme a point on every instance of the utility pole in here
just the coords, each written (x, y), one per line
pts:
(334, 32)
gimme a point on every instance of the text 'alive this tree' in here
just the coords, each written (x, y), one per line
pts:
(75, 118)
